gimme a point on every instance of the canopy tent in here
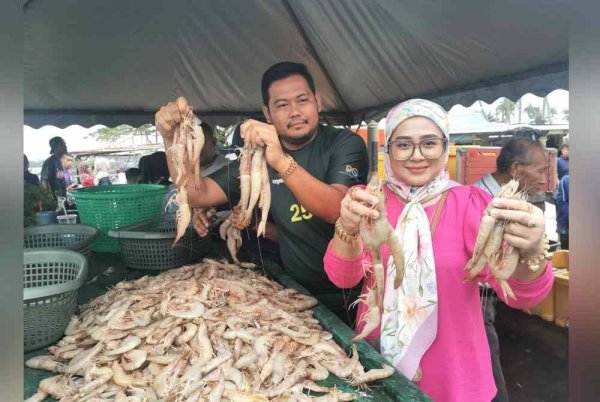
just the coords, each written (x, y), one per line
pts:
(113, 62)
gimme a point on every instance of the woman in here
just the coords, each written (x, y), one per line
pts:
(432, 325)
(102, 177)
(86, 177)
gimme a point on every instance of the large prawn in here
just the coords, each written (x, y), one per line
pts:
(374, 233)
(490, 248)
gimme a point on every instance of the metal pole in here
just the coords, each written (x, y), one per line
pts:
(373, 144)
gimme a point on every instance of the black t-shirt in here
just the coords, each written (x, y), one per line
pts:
(335, 156)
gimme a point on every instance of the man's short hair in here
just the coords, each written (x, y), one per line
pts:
(133, 172)
(280, 71)
(55, 141)
(66, 156)
(516, 150)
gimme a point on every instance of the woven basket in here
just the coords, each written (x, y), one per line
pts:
(51, 279)
(149, 244)
(77, 238)
(111, 207)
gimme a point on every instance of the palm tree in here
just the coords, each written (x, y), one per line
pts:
(535, 114)
(505, 109)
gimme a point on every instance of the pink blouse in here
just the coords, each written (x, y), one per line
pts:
(457, 366)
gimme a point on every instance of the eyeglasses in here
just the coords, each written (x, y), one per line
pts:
(403, 150)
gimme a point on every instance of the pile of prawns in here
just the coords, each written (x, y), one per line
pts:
(210, 331)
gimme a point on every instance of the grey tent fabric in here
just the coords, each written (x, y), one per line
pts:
(113, 62)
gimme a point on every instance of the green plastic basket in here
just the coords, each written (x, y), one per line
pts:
(76, 237)
(111, 207)
(51, 279)
(149, 244)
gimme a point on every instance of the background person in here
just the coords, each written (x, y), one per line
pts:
(28, 177)
(154, 168)
(101, 172)
(562, 162)
(52, 176)
(67, 164)
(432, 327)
(562, 212)
(133, 175)
(527, 161)
(86, 174)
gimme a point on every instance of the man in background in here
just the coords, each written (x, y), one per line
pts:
(133, 175)
(562, 162)
(527, 161)
(53, 174)
(67, 163)
(28, 177)
(562, 212)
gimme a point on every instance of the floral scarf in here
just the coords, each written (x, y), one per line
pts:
(409, 320)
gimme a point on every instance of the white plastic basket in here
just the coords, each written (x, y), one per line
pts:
(51, 279)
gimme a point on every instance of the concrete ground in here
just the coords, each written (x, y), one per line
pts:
(534, 356)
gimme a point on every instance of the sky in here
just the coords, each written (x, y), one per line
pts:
(35, 141)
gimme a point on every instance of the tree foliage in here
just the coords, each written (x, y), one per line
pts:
(146, 132)
(505, 109)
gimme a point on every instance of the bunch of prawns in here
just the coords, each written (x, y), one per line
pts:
(254, 189)
(188, 142)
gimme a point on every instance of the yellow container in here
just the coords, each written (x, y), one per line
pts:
(452, 162)
(560, 259)
(561, 299)
(380, 169)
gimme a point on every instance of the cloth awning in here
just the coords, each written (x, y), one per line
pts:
(113, 62)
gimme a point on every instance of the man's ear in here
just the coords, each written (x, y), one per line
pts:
(266, 113)
(318, 98)
(514, 169)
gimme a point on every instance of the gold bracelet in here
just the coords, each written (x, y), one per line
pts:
(535, 261)
(293, 165)
(342, 234)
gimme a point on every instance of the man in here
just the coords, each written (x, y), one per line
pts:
(133, 175)
(562, 212)
(53, 174)
(562, 162)
(67, 163)
(311, 167)
(520, 158)
(527, 161)
(28, 177)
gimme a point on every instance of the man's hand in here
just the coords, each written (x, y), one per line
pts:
(200, 221)
(169, 116)
(262, 134)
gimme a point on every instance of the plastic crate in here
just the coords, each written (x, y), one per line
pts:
(149, 244)
(77, 238)
(111, 207)
(51, 279)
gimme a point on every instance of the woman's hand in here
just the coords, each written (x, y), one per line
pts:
(525, 227)
(356, 204)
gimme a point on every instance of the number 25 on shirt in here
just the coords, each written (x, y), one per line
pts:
(299, 213)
